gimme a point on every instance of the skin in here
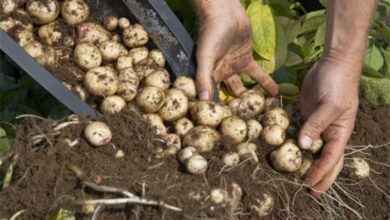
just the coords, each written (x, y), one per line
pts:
(329, 96)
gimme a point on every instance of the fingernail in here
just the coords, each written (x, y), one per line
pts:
(306, 142)
(204, 95)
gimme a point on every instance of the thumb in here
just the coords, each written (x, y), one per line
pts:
(316, 123)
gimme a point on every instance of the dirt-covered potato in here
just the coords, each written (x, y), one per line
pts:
(123, 23)
(175, 106)
(80, 92)
(157, 123)
(124, 62)
(112, 104)
(23, 36)
(187, 84)
(110, 23)
(44, 55)
(87, 56)
(98, 133)
(145, 67)
(74, 11)
(56, 33)
(254, 129)
(257, 88)
(307, 161)
(158, 57)
(218, 196)
(182, 126)
(273, 135)
(234, 129)
(316, 146)
(263, 207)
(249, 105)
(19, 18)
(128, 84)
(150, 99)
(276, 116)
(135, 36)
(138, 54)
(231, 159)
(202, 138)
(7, 6)
(207, 113)
(235, 196)
(110, 50)
(186, 154)
(173, 142)
(43, 11)
(196, 164)
(101, 81)
(357, 168)
(159, 79)
(226, 111)
(93, 33)
(247, 150)
(286, 158)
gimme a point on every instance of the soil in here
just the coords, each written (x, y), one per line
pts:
(43, 182)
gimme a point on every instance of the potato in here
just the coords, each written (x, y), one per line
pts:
(159, 79)
(251, 105)
(135, 36)
(98, 133)
(207, 113)
(123, 23)
(150, 99)
(157, 123)
(202, 138)
(64, 55)
(254, 129)
(247, 151)
(128, 84)
(20, 18)
(273, 135)
(263, 207)
(158, 57)
(43, 11)
(7, 6)
(316, 146)
(23, 36)
(187, 84)
(259, 90)
(110, 50)
(175, 106)
(234, 129)
(276, 116)
(226, 111)
(45, 56)
(218, 196)
(231, 159)
(138, 54)
(101, 81)
(306, 164)
(196, 164)
(286, 158)
(123, 62)
(235, 196)
(80, 92)
(89, 32)
(173, 144)
(55, 34)
(110, 23)
(87, 56)
(74, 12)
(186, 154)
(182, 126)
(145, 67)
(357, 168)
(112, 104)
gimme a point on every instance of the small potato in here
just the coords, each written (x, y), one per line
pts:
(218, 196)
(358, 168)
(273, 135)
(150, 99)
(202, 138)
(186, 154)
(207, 113)
(145, 67)
(263, 207)
(123, 23)
(56, 34)
(110, 23)
(234, 129)
(175, 106)
(249, 105)
(87, 56)
(45, 56)
(23, 36)
(196, 164)
(112, 104)
(98, 133)
(101, 81)
(276, 116)
(182, 126)
(286, 158)
(89, 32)
(116, 37)
(226, 111)
(306, 164)
(124, 62)
(159, 79)
(316, 146)
(7, 6)
(43, 11)
(128, 84)
(74, 12)
(259, 90)
(19, 18)
(110, 50)
(138, 54)
(158, 57)
(187, 84)
(173, 144)
(135, 36)
(254, 129)
(157, 123)
(80, 92)
(248, 150)
(235, 196)
(231, 159)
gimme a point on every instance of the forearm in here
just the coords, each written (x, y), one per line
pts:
(348, 22)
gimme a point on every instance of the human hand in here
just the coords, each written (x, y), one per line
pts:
(225, 48)
(329, 102)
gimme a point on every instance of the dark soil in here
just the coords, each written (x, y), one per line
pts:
(42, 181)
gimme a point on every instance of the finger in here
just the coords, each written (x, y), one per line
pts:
(235, 85)
(317, 122)
(255, 71)
(328, 180)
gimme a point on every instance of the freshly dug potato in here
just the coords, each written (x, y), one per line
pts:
(150, 99)
(80, 92)
(207, 113)
(110, 23)
(286, 158)
(112, 104)
(251, 105)
(138, 54)
(135, 36)
(87, 56)
(235, 196)
(45, 56)
(175, 106)
(254, 129)
(226, 111)
(259, 90)
(7, 6)
(156, 122)
(306, 164)
(145, 67)
(43, 11)
(159, 79)
(23, 36)
(276, 116)
(74, 12)
(90, 32)
(110, 50)
(186, 154)
(128, 84)
(196, 164)
(20, 18)
(101, 81)
(273, 135)
(263, 207)
(182, 126)
(247, 150)
(218, 196)
(173, 144)
(158, 57)
(357, 168)
(123, 62)
(56, 33)
(234, 129)
(123, 23)
(316, 146)
(202, 138)
(98, 133)
(187, 84)
(231, 159)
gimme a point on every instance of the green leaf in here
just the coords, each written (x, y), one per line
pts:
(319, 38)
(293, 59)
(312, 21)
(264, 29)
(323, 2)
(3, 133)
(247, 80)
(371, 72)
(374, 58)
(386, 67)
(61, 214)
(375, 90)
(291, 27)
(285, 75)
